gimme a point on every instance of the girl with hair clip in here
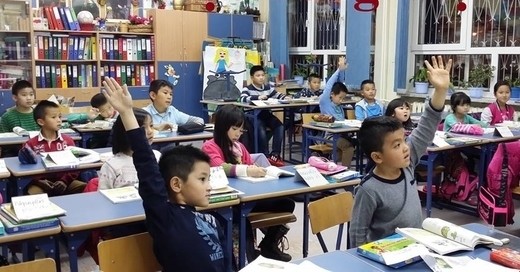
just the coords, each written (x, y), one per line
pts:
(119, 171)
(400, 109)
(499, 111)
(225, 150)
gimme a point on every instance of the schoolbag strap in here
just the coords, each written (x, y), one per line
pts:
(503, 178)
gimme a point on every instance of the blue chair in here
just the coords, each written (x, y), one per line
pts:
(335, 210)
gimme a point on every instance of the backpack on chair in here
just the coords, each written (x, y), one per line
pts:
(459, 183)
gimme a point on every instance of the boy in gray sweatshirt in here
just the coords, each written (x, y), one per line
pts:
(387, 197)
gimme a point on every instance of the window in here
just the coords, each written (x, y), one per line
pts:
(487, 32)
(317, 32)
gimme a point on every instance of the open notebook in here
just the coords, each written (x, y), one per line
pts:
(272, 173)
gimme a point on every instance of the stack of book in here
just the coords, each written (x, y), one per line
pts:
(220, 189)
(31, 212)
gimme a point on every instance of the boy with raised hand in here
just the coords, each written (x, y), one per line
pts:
(47, 115)
(183, 239)
(22, 114)
(369, 106)
(164, 115)
(387, 197)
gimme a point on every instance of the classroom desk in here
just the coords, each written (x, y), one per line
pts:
(22, 173)
(336, 134)
(45, 238)
(88, 211)
(19, 140)
(174, 137)
(4, 179)
(88, 133)
(282, 187)
(487, 144)
(341, 260)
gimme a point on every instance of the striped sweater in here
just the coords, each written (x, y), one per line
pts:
(251, 92)
(13, 118)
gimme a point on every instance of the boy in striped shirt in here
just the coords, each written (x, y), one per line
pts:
(257, 90)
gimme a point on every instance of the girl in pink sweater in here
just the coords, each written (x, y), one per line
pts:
(225, 150)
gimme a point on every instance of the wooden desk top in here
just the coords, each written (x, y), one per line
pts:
(342, 129)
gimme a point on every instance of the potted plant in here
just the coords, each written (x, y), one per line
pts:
(300, 73)
(420, 80)
(478, 76)
(515, 88)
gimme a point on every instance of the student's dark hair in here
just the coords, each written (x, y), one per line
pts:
(40, 110)
(373, 131)
(120, 142)
(499, 84)
(98, 100)
(364, 82)
(311, 76)
(157, 84)
(225, 118)
(178, 161)
(255, 69)
(20, 85)
(338, 88)
(396, 103)
(459, 99)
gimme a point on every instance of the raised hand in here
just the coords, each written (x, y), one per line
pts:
(342, 63)
(438, 73)
(117, 95)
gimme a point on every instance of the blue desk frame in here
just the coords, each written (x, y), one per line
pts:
(283, 187)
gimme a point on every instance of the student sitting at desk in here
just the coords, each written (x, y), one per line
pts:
(19, 116)
(119, 171)
(225, 150)
(387, 197)
(22, 114)
(460, 105)
(101, 110)
(164, 115)
(330, 104)
(499, 111)
(313, 91)
(258, 90)
(47, 115)
(368, 106)
(183, 239)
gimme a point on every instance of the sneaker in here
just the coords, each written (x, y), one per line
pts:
(275, 160)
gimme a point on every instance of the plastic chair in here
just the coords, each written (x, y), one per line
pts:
(132, 253)
(335, 210)
(321, 148)
(47, 265)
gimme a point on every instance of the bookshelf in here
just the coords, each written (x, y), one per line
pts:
(68, 61)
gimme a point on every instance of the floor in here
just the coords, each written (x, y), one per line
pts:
(86, 264)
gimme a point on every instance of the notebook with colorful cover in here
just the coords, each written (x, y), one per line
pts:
(394, 251)
(11, 226)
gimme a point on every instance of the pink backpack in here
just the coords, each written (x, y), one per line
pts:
(495, 198)
(458, 183)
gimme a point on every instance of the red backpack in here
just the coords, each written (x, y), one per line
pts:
(458, 182)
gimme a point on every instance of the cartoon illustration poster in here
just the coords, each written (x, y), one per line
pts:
(223, 65)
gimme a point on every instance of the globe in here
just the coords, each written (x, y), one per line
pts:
(85, 17)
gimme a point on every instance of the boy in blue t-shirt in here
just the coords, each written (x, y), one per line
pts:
(183, 239)
(368, 106)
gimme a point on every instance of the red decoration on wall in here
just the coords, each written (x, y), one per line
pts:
(461, 6)
(366, 5)
(210, 6)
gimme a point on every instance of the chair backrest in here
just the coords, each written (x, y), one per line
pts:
(307, 117)
(132, 253)
(330, 211)
(350, 114)
(47, 265)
